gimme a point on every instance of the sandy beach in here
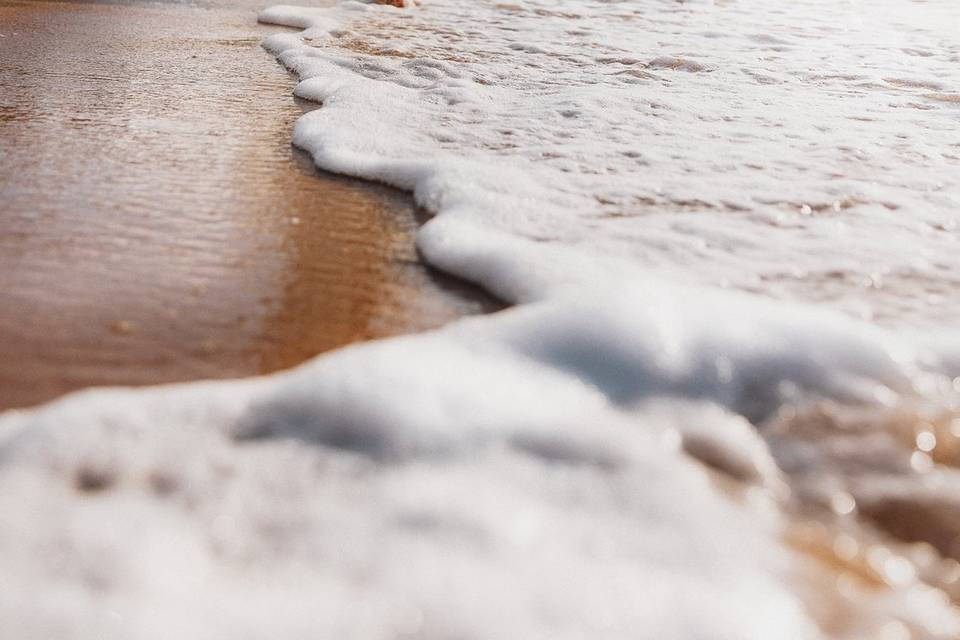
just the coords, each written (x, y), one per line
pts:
(158, 225)
(720, 400)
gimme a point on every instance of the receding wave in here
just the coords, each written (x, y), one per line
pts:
(725, 403)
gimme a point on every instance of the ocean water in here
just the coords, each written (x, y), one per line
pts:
(724, 405)
(805, 150)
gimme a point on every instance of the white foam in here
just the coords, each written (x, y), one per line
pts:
(792, 152)
(515, 474)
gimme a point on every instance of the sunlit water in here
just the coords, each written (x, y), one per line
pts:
(156, 226)
(803, 151)
(638, 449)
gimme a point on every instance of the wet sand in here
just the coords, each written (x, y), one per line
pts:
(155, 223)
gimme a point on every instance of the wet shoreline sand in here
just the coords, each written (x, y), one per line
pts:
(157, 225)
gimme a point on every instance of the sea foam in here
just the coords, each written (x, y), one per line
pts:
(521, 473)
(792, 152)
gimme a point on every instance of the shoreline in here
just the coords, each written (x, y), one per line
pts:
(160, 227)
(752, 467)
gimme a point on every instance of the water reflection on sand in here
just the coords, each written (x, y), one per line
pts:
(157, 225)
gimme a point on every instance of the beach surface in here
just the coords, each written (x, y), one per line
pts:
(725, 401)
(157, 224)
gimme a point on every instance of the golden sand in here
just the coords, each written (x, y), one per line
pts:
(155, 223)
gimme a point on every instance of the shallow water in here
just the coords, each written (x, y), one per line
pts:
(724, 405)
(802, 152)
(156, 224)
(807, 150)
